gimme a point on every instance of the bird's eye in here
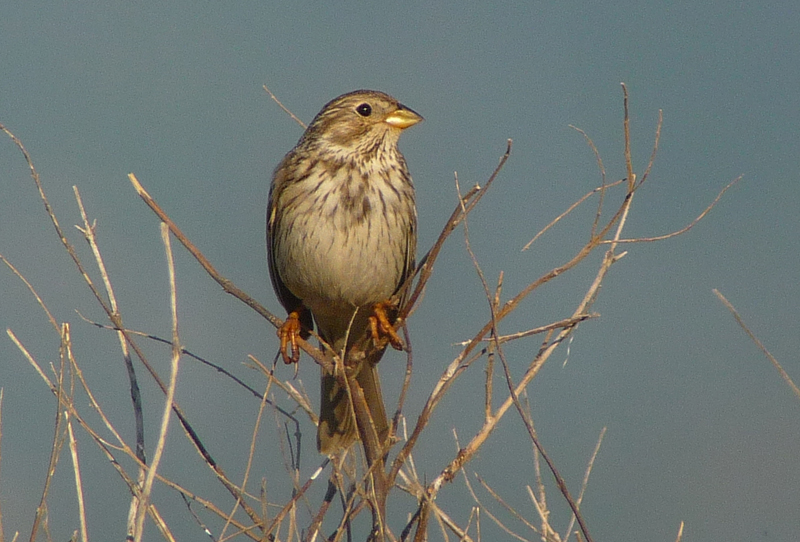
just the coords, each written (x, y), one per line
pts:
(364, 110)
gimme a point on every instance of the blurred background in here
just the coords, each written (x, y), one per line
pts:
(701, 428)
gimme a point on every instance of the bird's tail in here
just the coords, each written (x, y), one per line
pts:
(337, 428)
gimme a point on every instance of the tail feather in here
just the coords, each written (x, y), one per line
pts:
(337, 428)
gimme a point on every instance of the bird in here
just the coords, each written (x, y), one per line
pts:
(341, 244)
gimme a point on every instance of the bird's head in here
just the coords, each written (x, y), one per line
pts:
(360, 122)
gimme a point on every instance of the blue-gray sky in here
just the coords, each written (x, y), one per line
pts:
(701, 428)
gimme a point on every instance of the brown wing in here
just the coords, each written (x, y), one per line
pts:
(409, 261)
(409, 264)
(289, 301)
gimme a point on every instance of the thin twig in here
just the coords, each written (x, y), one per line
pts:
(173, 382)
(194, 356)
(288, 506)
(59, 436)
(88, 231)
(301, 399)
(33, 291)
(654, 151)
(626, 125)
(494, 302)
(571, 208)
(566, 322)
(76, 469)
(686, 228)
(401, 399)
(537, 461)
(602, 187)
(585, 482)
(760, 345)
(562, 485)
(547, 531)
(250, 455)
(133, 485)
(503, 503)
(285, 109)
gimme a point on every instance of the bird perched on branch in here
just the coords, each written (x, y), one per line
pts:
(341, 241)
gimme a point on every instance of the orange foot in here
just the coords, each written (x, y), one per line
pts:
(381, 327)
(288, 333)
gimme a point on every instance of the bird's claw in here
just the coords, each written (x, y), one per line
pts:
(288, 333)
(383, 330)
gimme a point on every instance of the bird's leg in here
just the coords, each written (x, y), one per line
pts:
(288, 333)
(380, 326)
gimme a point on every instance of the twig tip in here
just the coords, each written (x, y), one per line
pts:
(137, 185)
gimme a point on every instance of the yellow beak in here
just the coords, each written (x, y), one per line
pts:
(403, 118)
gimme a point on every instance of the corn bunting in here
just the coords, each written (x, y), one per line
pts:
(341, 240)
